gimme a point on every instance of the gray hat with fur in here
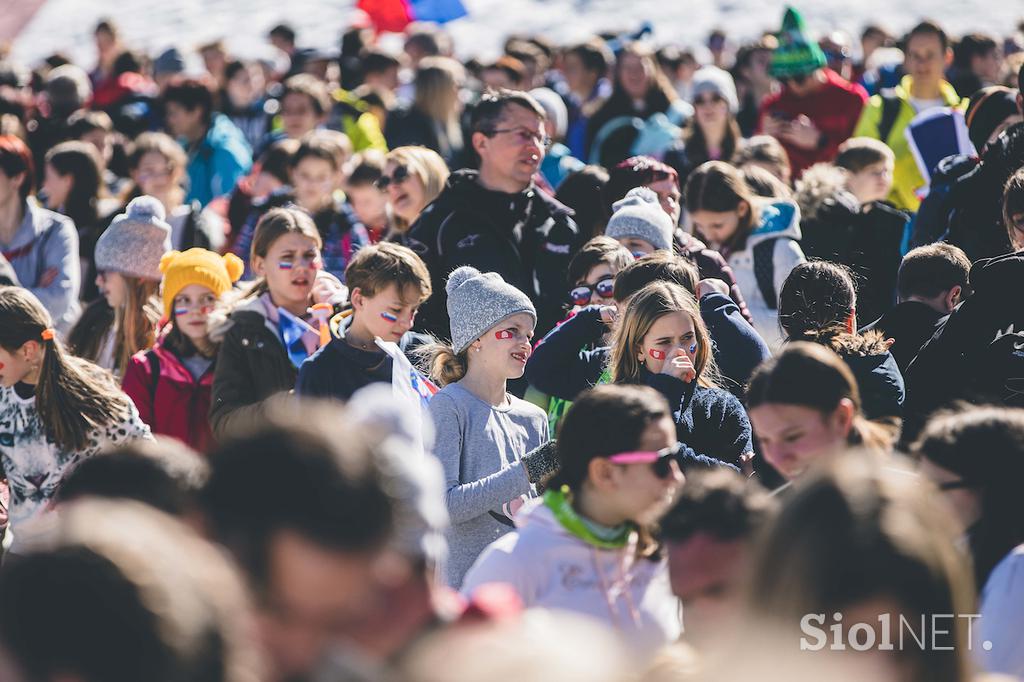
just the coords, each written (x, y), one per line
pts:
(639, 215)
(477, 301)
(136, 240)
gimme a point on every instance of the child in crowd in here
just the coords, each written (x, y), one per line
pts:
(387, 283)
(640, 224)
(171, 382)
(317, 175)
(932, 281)
(805, 405)
(266, 336)
(560, 368)
(818, 303)
(488, 441)
(592, 274)
(128, 257)
(55, 409)
(368, 203)
(662, 341)
(758, 238)
(844, 218)
(618, 474)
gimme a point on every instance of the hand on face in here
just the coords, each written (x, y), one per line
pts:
(681, 366)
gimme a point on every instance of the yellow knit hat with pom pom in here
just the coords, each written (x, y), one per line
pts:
(198, 266)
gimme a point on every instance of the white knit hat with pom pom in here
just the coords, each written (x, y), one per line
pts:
(135, 240)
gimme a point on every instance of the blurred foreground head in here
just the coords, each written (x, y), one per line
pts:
(120, 592)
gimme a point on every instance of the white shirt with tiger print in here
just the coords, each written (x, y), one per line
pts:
(34, 465)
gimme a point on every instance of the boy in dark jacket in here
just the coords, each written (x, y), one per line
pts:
(387, 284)
(932, 281)
(496, 219)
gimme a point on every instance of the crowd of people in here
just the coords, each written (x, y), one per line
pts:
(597, 361)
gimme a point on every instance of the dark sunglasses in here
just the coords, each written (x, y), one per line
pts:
(660, 461)
(710, 99)
(582, 294)
(797, 80)
(400, 175)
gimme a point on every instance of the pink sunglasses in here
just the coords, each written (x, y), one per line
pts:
(660, 461)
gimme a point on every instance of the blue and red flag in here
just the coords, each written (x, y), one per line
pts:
(395, 15)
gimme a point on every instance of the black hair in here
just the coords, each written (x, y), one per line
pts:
(165, 474)
(583, 192)
(378, 61)
(490, 110)
(596, 251)
(660, 266)
(283, 31)
(985, 448)
(191, 94)
(719, 503)
(927, 27)
(933, 269)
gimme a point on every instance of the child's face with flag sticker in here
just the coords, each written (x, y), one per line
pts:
(388, 314)
(505, 347)
(670, 334)
(290, 269)
(192, 308)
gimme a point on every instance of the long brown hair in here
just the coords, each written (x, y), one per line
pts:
(73, 396)
(274, 224)
(697, 143)
(136, 321)
(644, 309)
(813, 376)
(720, 188)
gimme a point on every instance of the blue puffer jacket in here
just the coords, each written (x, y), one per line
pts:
(218, 161)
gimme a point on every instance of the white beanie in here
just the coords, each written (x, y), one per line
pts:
(716, 81)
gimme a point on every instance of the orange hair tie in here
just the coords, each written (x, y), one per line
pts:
(47, 335)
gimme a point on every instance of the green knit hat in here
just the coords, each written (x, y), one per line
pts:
(797, 54)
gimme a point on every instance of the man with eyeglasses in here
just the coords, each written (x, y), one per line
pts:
(817, 109)
(495, 218)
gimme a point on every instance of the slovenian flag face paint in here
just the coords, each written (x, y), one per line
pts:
(178, 312)
(693, 348)
(285, 265)
(389, 317)
(503, 335)
(656, 354)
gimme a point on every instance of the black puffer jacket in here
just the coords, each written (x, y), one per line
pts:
(528, 238)
(976, 219)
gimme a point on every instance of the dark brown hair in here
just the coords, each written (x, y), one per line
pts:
(719, 187)
(595, 252)
(73, 396)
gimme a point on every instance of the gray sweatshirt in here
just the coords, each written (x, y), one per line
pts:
(479, 447)
(47, 241)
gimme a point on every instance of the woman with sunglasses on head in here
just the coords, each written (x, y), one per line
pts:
(713, 133)
(587, 546)
(412, 178)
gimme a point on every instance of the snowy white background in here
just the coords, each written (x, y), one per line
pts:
(152, 26)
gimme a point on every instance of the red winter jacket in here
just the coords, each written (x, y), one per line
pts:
(180, 405)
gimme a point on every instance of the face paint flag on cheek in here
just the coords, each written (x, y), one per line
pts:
(656, 354)
(503, 335)
(693, 348)
(285, 265)
(389, 317)
(178, 312)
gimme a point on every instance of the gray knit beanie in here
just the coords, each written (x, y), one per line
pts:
(639, 215)
(478, 301)
(135, 240)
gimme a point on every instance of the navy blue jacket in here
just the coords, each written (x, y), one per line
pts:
(338, 370)
(558, 367)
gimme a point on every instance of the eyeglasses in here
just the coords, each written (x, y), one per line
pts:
(400, 175)
(582, 294)
(523, 136)
(660, 461)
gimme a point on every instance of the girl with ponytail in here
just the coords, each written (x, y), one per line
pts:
(818, 303)
(55, 409)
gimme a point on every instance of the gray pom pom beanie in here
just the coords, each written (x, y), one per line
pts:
(639, 215)
(135, 240)
(477, 301)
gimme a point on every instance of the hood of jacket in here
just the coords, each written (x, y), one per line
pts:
(239, 308)
(777, 219)
(222, 132)
(822, 189)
